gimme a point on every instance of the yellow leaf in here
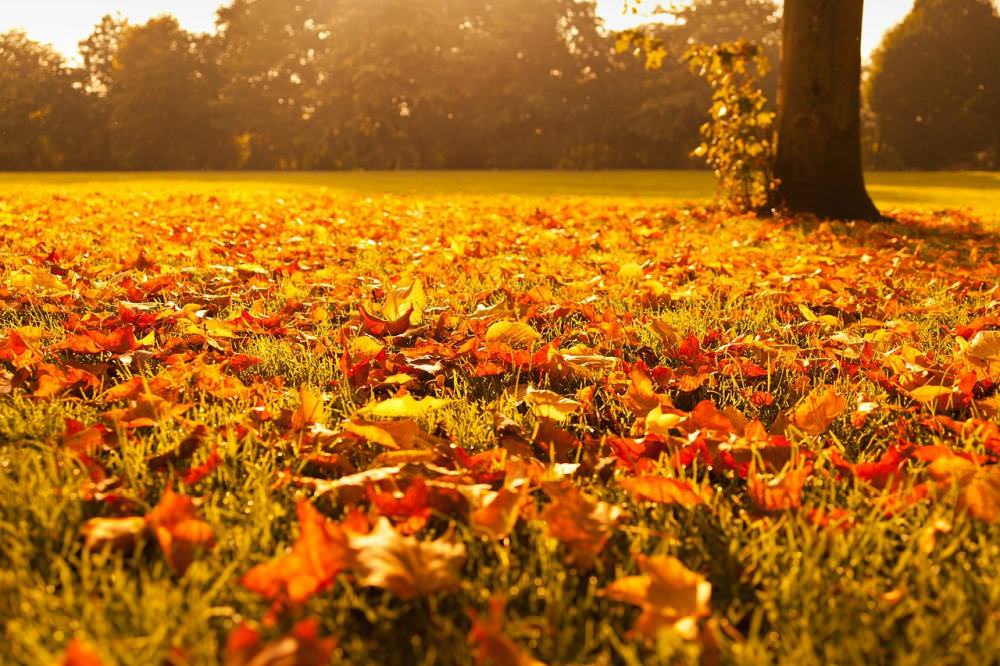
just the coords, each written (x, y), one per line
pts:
(930, 393)
(547, 404)
(513, 333)
(405, 407)
(818, 410)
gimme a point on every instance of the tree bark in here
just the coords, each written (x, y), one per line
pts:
(818, 161)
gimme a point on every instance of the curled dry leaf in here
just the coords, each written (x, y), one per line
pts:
(309, 411)
(777, 492)
(318, 555)
(978, 486)
(405, 434)
(818, 410)
(670, 595)
(406, 566)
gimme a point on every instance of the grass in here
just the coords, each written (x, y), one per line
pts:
(975, 191)
(596, 264)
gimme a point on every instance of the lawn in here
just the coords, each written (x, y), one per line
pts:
(975, 191)
(446, 417)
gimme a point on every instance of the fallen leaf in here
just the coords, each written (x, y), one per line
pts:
(513, 333)
(405, 566)
(670, 595)
(582, 524)
(175, 523)
(818, 410)
(403, 407)
(320, 552)
(663, 490)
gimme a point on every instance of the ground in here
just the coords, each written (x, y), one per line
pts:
(431, 418)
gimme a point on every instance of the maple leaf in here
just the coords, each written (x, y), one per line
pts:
(670, 595)
(410, 301)
(175, 523)
(406, 566)
(663, 490)
(818, 410)
(582, 524)
(302, 647)
(320, 552)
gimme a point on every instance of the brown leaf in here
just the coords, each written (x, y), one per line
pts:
(405, 566)
(309, 411)
(497, 517)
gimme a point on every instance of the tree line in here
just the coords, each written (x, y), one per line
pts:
(337, 84)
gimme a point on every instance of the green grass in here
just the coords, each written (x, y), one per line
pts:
(977, 191)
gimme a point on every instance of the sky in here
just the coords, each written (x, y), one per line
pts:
(63, 23)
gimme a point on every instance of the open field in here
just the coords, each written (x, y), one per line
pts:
(976, 191)
(432, 418)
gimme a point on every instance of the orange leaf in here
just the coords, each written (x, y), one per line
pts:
(818, 410)
(663, 490)
(670, 595)
(180, 532)
(318, 555)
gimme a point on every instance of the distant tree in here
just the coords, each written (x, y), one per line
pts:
(98, 52)
(935, 85)
(818, 152)
(666, 107)
(268, 57)
(41, 104)
(161, 96)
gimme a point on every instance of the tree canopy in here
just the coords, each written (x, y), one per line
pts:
(444, 84)
(935, 86)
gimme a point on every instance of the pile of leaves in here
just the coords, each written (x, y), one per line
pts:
(298, 427)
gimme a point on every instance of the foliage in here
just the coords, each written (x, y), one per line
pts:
(359, 84)
(737, 139)
(934, 87)
(268, 423)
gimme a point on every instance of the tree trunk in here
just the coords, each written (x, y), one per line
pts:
(818, 161)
